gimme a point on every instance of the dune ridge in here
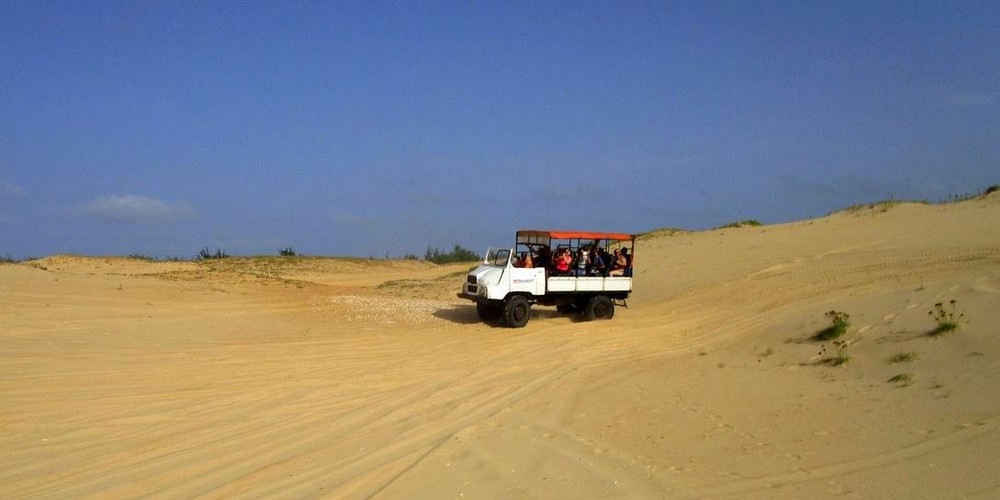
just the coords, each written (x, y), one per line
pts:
(353, 378)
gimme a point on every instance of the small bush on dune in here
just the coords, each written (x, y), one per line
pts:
(839, 356)
(7, 259)
(287, 252)
(946, 318)
(954, 198)
(903, 357)
(839, 322)
(741, 223)
(876, 207)
(206, 254)
(664, 231)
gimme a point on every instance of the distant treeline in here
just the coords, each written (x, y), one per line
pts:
(458, 254)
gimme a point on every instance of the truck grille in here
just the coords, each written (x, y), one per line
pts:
(471, 279)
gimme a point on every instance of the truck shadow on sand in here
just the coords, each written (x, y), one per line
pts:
(466, 315)
(463, 314)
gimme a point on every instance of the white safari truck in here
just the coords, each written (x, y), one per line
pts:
(595, 277)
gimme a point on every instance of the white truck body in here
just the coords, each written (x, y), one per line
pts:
(502, 289)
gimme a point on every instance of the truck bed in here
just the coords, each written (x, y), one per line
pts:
(569, 284)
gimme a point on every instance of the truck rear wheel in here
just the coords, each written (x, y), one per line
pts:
(489, 311)
(517, 311)
(599, 307)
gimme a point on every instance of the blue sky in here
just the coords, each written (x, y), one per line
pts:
(382, 128)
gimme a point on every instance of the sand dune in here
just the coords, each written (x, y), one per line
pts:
(354, 378)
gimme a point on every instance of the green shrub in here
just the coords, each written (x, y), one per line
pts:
(839, 322)
(741, 223)
(839, 356)
(206, 254)
(903, 357)
(945, 317)
(665, 231)
(458, 254)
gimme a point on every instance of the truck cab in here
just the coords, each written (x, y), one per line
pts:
(581, 272)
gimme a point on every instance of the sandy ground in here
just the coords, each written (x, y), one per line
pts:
(303, 378)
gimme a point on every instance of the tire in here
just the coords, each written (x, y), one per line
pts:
(489, 311)
(599, 307)
(517, 311)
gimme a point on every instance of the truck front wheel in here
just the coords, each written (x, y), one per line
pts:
(516, 311)
(599, 307)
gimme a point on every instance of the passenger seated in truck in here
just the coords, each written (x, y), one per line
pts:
(524, 260)
(618, 264)
(582, 262)
(628, 261)
(544, 256)
(561, 263)
(597, 265)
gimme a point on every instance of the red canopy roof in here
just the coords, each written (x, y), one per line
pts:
(573, 235)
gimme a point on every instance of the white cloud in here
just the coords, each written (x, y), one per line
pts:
(132, 208)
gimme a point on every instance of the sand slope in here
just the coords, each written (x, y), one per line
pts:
(356, 378)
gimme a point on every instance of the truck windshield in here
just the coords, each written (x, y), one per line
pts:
(497, 256)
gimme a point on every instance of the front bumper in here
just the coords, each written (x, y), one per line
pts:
(470, 291)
